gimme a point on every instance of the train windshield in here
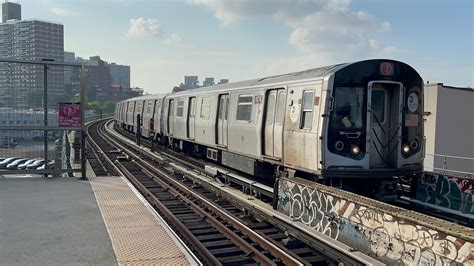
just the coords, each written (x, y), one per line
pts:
(348, 108)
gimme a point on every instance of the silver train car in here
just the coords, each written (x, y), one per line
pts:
(357, 126)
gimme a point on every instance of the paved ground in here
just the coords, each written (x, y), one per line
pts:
(54, 221)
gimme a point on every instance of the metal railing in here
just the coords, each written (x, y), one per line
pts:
(450, 165)
(36, 115)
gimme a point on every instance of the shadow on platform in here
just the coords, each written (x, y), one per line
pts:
(51, 221)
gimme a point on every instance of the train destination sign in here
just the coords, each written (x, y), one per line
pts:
(69, 114)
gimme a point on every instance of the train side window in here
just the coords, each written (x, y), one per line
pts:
(171, 108)
(244, 107)
(180, 110)
(192, 106)
(270, 108)
(139, 107)
(156, 106)
(227, 108)
(280, 112)
(221, 104)
(148, 109)
(205, 107)
(307, 110)
(378, 106)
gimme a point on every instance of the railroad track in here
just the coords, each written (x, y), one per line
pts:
(216, 230)
(404, 200)
(265, 194)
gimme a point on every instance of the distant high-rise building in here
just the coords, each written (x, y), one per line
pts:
(10, 11)
(97, 79)
(208, 82)
(103, 81)
(223, 81)
(191, 81)
(120, 75)
(72, 76)
(69, 57)
(21, 85)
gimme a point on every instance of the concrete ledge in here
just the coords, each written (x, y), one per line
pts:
(391, 234)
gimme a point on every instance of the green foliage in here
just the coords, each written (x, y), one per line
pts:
(98, 107)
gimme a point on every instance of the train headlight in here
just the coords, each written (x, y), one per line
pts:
(339, 145)
(406, 148)
(414, 144)
(355, 149)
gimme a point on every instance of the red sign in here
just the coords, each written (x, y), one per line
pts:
(386, 69)
(69, 114)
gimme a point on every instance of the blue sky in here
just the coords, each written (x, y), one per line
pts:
(241, 39)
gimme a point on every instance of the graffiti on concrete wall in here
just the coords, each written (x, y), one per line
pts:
(384, 236)
(399, 241)
(450, 192)
(314, 209)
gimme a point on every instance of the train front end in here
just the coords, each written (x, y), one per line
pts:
(374, 123)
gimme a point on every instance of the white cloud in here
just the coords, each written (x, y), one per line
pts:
(141, 27)
(173, 39)
(61, 11)
(325, 31)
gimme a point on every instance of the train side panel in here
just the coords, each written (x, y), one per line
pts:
(204, 127)
(180, 118)
(124, 112)
(137, 110)
(157, 115)
(147, 116)
(130, 118)
(300, 135)
(244, 129)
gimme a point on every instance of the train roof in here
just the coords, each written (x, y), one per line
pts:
(305, 74)
(313, 73)
(146, 97)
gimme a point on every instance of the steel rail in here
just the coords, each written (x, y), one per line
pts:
(208, 257)
(97, 148)
(239, 241)
(205, 255)
(96, 154)
(264, 243)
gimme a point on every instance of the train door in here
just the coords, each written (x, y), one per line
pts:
(273, 128)
(152, 116)
(126, 112)
(191, 115)
(222, 119)
(384, 119)
(171, 117)
(157, 116)
(143, 112)
(131, 115)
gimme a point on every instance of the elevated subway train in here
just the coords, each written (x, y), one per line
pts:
(357, 126)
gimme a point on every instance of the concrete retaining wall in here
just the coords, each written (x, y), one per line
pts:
(390, 234)
(455, 193)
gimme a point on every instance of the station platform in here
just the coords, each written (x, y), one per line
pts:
(67, 221)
